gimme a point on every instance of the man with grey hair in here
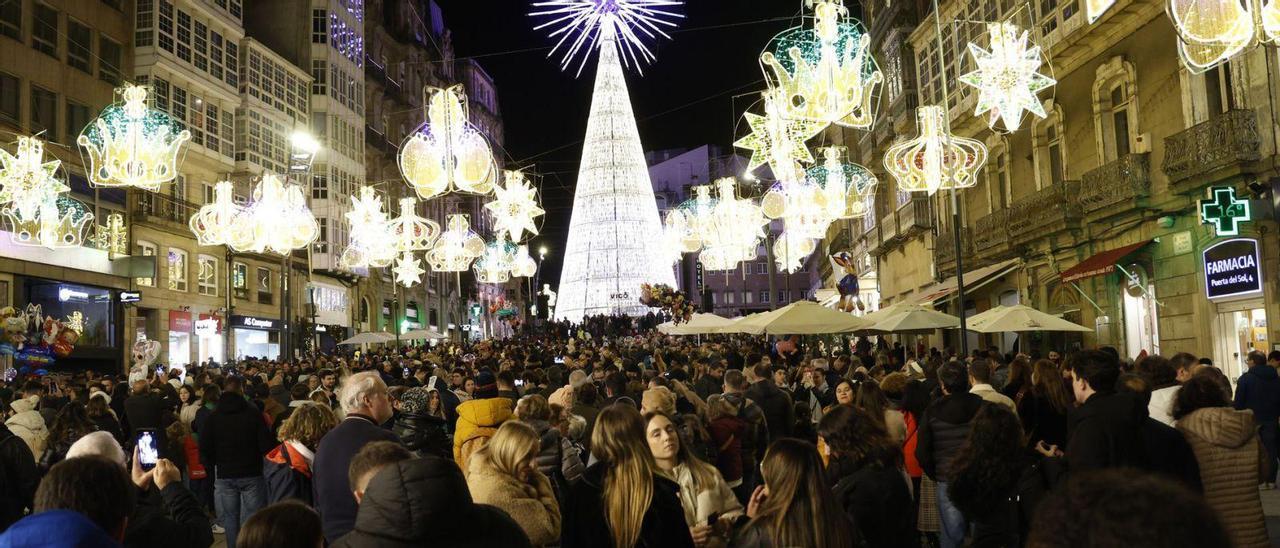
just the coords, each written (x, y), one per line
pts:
(364, 398)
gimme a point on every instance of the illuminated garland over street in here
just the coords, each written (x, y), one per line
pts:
(457, 247)
(446, 154)
(131, 145)
(934, 160)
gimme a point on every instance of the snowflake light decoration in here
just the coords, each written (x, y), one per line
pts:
(934, 160)
(214, 222)
(277, 220)
(495, 264)
(457, 247)
(60, 224)
(372, 244)
(827, 72)
(515, 207)
(446, 153)
(523, 266)
(1007, 77)
(408, 270)
(580, 25)
(132, 145)
(778, 141)
(848, 189)
(27, 182)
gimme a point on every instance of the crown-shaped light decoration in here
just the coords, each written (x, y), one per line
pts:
(27, 182)
(524, 266)
(214, 222)
(371, 243)
(1211, 32)
(581, 24)
(935, 160)
(457, 247)
(112, 237)
(777, 140)
(60, 224)
(515, 207)
(495, 264)
(277, 220)
(826, 73)
(801, 205)
(1007, 77)
(408, 269)
(410, 231)
(848, 189)
(693, 218)
(446, 153)
(790, 250)
(735, 231)
(132, 145)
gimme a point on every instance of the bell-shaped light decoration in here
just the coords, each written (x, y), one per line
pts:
(826, 73)
(515, 207)
(935, 160)
(457, 247)
(277, 220)
(133, 145)
(410, 231)
(524, 265)
(214, 222)
(372, 244)
(446, 154)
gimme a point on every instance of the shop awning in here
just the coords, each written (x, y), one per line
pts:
(973, 280)
(1100, 264)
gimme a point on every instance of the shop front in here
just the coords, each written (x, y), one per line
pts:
(1123, 293)
(179, 351)
(255, 337)
(208, 335)
(93, 311)
(1232, 271)
(331, 314)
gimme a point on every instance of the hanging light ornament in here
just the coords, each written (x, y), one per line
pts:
(848, 189)
(515, 206)
(695, 219)
(495, 264)
(408, 269)
(675, 229)
(447, 154)
(523, 266)
(277, 220)
(581, 23)
(411, 232)
(60, 224)
(777, 140)
(132, 145)
(456, 248)
(112, 237)
(735, 230)
(790, 250)
(934, 160)
(826, 73)
(1007, 77)
(27, 182)
(214, 222)
(372, 244)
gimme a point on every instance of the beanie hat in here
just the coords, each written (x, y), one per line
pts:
(414, 401)
(486, 385)
(659, 399)
(97, 444)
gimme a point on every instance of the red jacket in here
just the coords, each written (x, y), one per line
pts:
(195, 469)
(909, 446)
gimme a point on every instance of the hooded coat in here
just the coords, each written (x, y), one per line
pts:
(1259, 390)
(532, 505)
(426, 502)
(1226, 445)
(478, 420)
(235, 439)
(26, 423)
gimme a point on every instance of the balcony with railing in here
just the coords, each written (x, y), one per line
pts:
(1051, 210)
(991, 235)
(889, 232)
(161, 210)
(377, 138)
(913, 216)
(1116, 186)
(944, 248)
(875, 246)
(1225, 146)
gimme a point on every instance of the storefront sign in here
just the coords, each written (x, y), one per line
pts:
(698, 276)
(179, 322)
(130, 296)
(206, 327)
(210, 320)
(252, 322)
(1232, 268)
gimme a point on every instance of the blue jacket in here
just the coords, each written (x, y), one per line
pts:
(332, 490)
(56, 528)
(1259, 391)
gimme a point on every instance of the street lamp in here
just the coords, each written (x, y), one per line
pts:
(537, 276)
(303, 148)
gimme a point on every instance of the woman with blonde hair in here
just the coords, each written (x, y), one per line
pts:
(710, 506)
(287, 468)
(622, 500)
(794, 507)
(504, 473)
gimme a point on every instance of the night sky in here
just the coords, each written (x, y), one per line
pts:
(684, 99)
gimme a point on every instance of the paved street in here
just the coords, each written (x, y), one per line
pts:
(1271, 506)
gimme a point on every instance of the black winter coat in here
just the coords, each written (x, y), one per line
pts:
(235, 438)
(877, 500)
(426, 502)
(18, 477)
(583, 522)
(424, 435)
(1042, 421)
(1259, 391)
(1105, 432)
(334, 501)
(943, 429)
(1169, 453)
(776, 404)
(171, 517)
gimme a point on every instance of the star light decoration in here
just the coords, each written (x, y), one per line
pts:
(446, 153)
(579, 26)
(371, 243)
(935, 160)
(457, 247)
(33, 203)
(277, 219)
(1211, 32)
(408, 269)
(848, 189)
(132, 145)
(515, 207)
(778, 141)
(826, 73)
(1007, 77)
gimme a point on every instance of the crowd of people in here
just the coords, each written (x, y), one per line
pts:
(610, 434)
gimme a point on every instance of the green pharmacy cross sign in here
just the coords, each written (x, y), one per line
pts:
(1224, 211)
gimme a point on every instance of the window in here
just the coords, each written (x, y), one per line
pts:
(11, 19)
(44, 113)
(1120, 120)
(746, 297)
(207, 280)
(179, 187)
(1056, 167)
(728, 297)
(177, 271)
(319, 26)
(145, 249)
(1217, 89)
(264, 285)
(208, 192)
(109, 54)
(998, 190)
(782, 295)
(320, 184)
(144, 35)
(322, 237)
(1115, 115)
(77, 119)
(762, 268)
(10, 97)
(79, 46)
(44, 30)
(764, 295)
(240, 280)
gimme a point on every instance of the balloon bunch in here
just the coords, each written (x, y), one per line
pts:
(34, 340)
(668, 299)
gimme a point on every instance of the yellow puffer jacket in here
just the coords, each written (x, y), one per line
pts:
(1226, 445)
(478, 420)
